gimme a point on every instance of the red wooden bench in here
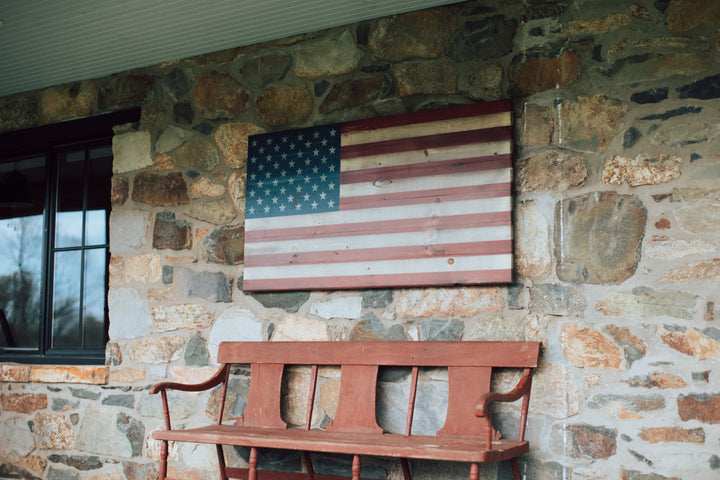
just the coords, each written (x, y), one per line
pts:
(467, 436)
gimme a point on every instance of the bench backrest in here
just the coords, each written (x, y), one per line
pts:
(469, 367)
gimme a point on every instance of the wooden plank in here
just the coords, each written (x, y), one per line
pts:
(429, 354)
(459, 449)
(356, 402)
(465, 386)
(263, 404)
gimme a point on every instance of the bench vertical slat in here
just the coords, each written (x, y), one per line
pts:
(411, 401)
(356, 401)
(311, 397)
(263, 403)
(465, 386)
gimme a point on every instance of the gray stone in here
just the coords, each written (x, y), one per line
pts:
(219, 212)
(22, 440)
(127, 400)
(556, 300)
(172, 138)
(196, 352)
(84, 393)
(57, 474)
(653, 95)
(598, 237)
(330, 56)
(140, 471)
(226, 245)
(676, 112)
(644, 302)
(99, 434)
(171, 233)
(377, 298)
(533, 468)
(178, 82)
(629, 403)
(198, 152)
(128, 230)
(63, 404)
(445, 329)
(181, 406)
(288, 301)
(430, 406)
(685, 134)
(167, 274)
(134, 431)
(700, 218)
(370, 329)
(131, 151)
(234, 324)
(80, 462)
(704, 89)
(129, 314)
(127, 91)
(631, 136)
(340, 307)
(13, 471)
(263, 71)
(491, 37)
(212, 286)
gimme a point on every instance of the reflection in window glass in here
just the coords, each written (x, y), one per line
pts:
(66, 299)
(94, 300)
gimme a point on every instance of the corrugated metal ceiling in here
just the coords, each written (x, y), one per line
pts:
(50, 42)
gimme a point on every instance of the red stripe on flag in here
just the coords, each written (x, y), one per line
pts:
(449, 113)
(425, 169)
(381, 254)
(442, 140)
(477, 220)
(375, 281)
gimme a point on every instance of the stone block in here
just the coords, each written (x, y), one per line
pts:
(705, 270)
(211, 286)
(234, 324)
(424, 33)
(589, 124)
(633, 347)
(140, 471)
(644, 302)
(196, 352)
(231, 139)
(671, 249)
(584, 441)
(267, 69)
(53, 374)
(597, 25)
(218, 95)
(537, 73)
(131, 151)
(533, 251)
(690, 341)
(226, 245)
(59, 474)
(626, 474)
(79, 462)
(281, 105)
(129, 314)
(356, 92)
(481, 82)
(442, 329)
(448, 302)
(181, 317)
(626, 407)
(298, 329)
(160, 190)
(642, 170)
(22, 444)
(127, 91)
(589, 348)
(681, 135)
(672, 434)
(198, 153)
(550, 171)
(424, 77)
(598, 237)
(327, 56)
(288, 301)
(143, 268)
(683, 15)
(554, 391)
(170, 233)
(217, 212)
(556, 300)
(370, 329)
(491, 37)
(128, 230)
(53, 431)
(127, 375)
(339, 307)
(535, 126)
(69, 101)
(704, 407)
(23, 402)
(155, 350)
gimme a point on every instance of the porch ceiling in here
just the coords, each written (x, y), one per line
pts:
(45, 43)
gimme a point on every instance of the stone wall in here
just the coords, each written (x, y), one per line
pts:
(617, 213)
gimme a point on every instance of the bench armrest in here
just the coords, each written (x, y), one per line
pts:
(220, 377)
(483, 408)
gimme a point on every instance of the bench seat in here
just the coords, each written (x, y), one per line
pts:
(428, 447)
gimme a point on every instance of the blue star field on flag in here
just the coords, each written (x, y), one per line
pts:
(293, 172)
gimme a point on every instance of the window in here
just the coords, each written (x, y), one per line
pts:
(54, 214)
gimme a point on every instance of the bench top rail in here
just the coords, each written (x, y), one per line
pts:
(425, 354)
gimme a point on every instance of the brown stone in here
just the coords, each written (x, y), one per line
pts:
(642, 170)
(329, 394)
(219, 95)
(598, 237)
(229, 246)
(197, 153)
(535, 126)
(205, 187)
(15, 373)
(163, 162)
(448, 302)
(633, 347)
(127, 375)
(236, 189)
(675, 340)
(88, 375)
(705, 270)
(19, 111)
(353, 93)
(635, 475)
(160, 190)
(658, 380)
(482, 82)
(232, 140)
(294, 398)
(550, 171)
(684, 15)
(327, 56)
(155, 350)
(171, 233)
(35, 463)
(53, 431)
(425, 33)
(143, 268)
(218, 212)
(71, 101)
(129, 91)
(597, 26)
(662, 224)
(589, 124)
(262, 71)
(120, 191)
(589, 441)
(433, 78)
(703, 407)
(281, 105)
(672, 434)
(534, 74)
(23, 403)
(589, 348)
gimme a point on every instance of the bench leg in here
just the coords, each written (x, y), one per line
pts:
(515, 469)
(474, 471)
(162, 474)
(309, 466)
(405, 469)
(356, 467)
(252, 474)
(221, 461)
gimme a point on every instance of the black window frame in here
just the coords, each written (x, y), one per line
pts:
(51, 141)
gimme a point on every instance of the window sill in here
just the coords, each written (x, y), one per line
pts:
(92, 375)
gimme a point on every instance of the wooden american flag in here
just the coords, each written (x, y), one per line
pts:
(419, 199)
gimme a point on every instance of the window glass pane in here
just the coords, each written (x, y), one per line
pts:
(66, 300)
(94, 302)
(22, 199)
(96, 227)
(71, 192)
